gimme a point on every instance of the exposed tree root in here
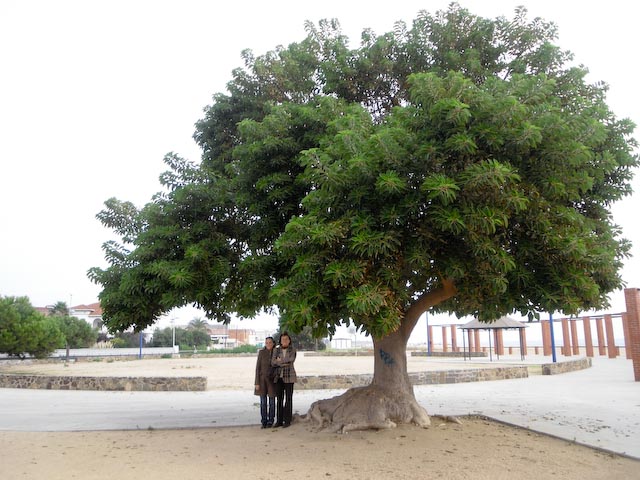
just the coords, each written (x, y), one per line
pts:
(365, 408)
(448, 419)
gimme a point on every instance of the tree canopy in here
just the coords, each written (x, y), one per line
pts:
(25, 331)
(77, 333)
(458, 163)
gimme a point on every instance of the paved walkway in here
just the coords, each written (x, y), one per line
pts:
(599, 406)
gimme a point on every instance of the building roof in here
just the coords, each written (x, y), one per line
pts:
(43, 310)
(94, 309)
(501, 323)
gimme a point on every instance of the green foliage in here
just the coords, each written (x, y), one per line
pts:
(345, 184)
(59, 309)
(185, 337)
(126, 340)
(76, 332)
(163, 337)
(122, 342)
(24, 331)
(238, 349)
(304, 340)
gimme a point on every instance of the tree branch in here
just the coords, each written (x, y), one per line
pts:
(425, 302)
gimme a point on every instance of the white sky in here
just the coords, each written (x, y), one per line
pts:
(93, 94)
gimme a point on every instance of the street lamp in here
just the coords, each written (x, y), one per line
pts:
(426, 316)
(173, 334)
(553, 338)
(353, 331)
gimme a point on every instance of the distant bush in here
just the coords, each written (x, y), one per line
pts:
(24, 331)
(240, 349)
(77, 332)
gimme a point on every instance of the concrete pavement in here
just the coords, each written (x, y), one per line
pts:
(599, 406)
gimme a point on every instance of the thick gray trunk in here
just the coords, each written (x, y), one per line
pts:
(389, 399)
(390, 364)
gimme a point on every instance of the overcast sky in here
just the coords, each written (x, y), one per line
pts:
(93, 94)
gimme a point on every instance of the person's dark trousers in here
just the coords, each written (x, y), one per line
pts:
(267, 412)
(280, 399)
(288, 404)
(284, 393)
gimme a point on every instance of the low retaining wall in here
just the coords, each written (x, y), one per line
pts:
(339, 353)
(448, 354)
(314, 382)
(147, 352)
(565, 366)
(144, 384)
(319, 382)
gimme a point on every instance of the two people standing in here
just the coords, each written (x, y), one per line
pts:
(276, 382)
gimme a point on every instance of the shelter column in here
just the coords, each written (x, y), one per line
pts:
(632, 299)
(445, 347)
(611, 341)
(499, 341)
(588, 341)
(545, 325)
(566, 340)
(627, 337)
(600, 332)
(574, 337)
(454, 340)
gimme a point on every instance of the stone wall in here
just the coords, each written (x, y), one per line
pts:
(312, 382)
(317, 382)
(566, 366)
(145, 384)
(340, 353)
(419, 353)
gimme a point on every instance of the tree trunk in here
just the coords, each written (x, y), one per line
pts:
(386, 402)
(389, 399)
(390, 364)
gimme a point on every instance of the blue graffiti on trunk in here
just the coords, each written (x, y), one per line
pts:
(386, 358)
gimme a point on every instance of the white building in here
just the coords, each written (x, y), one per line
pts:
(92, 314)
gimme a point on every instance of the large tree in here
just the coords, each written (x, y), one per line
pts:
(461, 164)
(26, 332)
(77, 333)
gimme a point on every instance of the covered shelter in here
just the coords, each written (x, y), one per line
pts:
(503, 323)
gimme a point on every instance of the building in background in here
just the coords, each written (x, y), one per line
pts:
(92, 314)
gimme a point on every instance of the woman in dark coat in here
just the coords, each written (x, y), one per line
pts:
(283, 357)
(265, 386)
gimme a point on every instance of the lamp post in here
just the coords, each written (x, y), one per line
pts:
(353, 331)
(173, 334)
(426, 316)
(553, 339)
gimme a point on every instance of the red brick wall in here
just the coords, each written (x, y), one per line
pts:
(632, 300)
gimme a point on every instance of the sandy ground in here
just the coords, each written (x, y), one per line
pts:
(477, 449)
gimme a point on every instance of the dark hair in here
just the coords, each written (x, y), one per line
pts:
(269, 338)
(285, 334)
